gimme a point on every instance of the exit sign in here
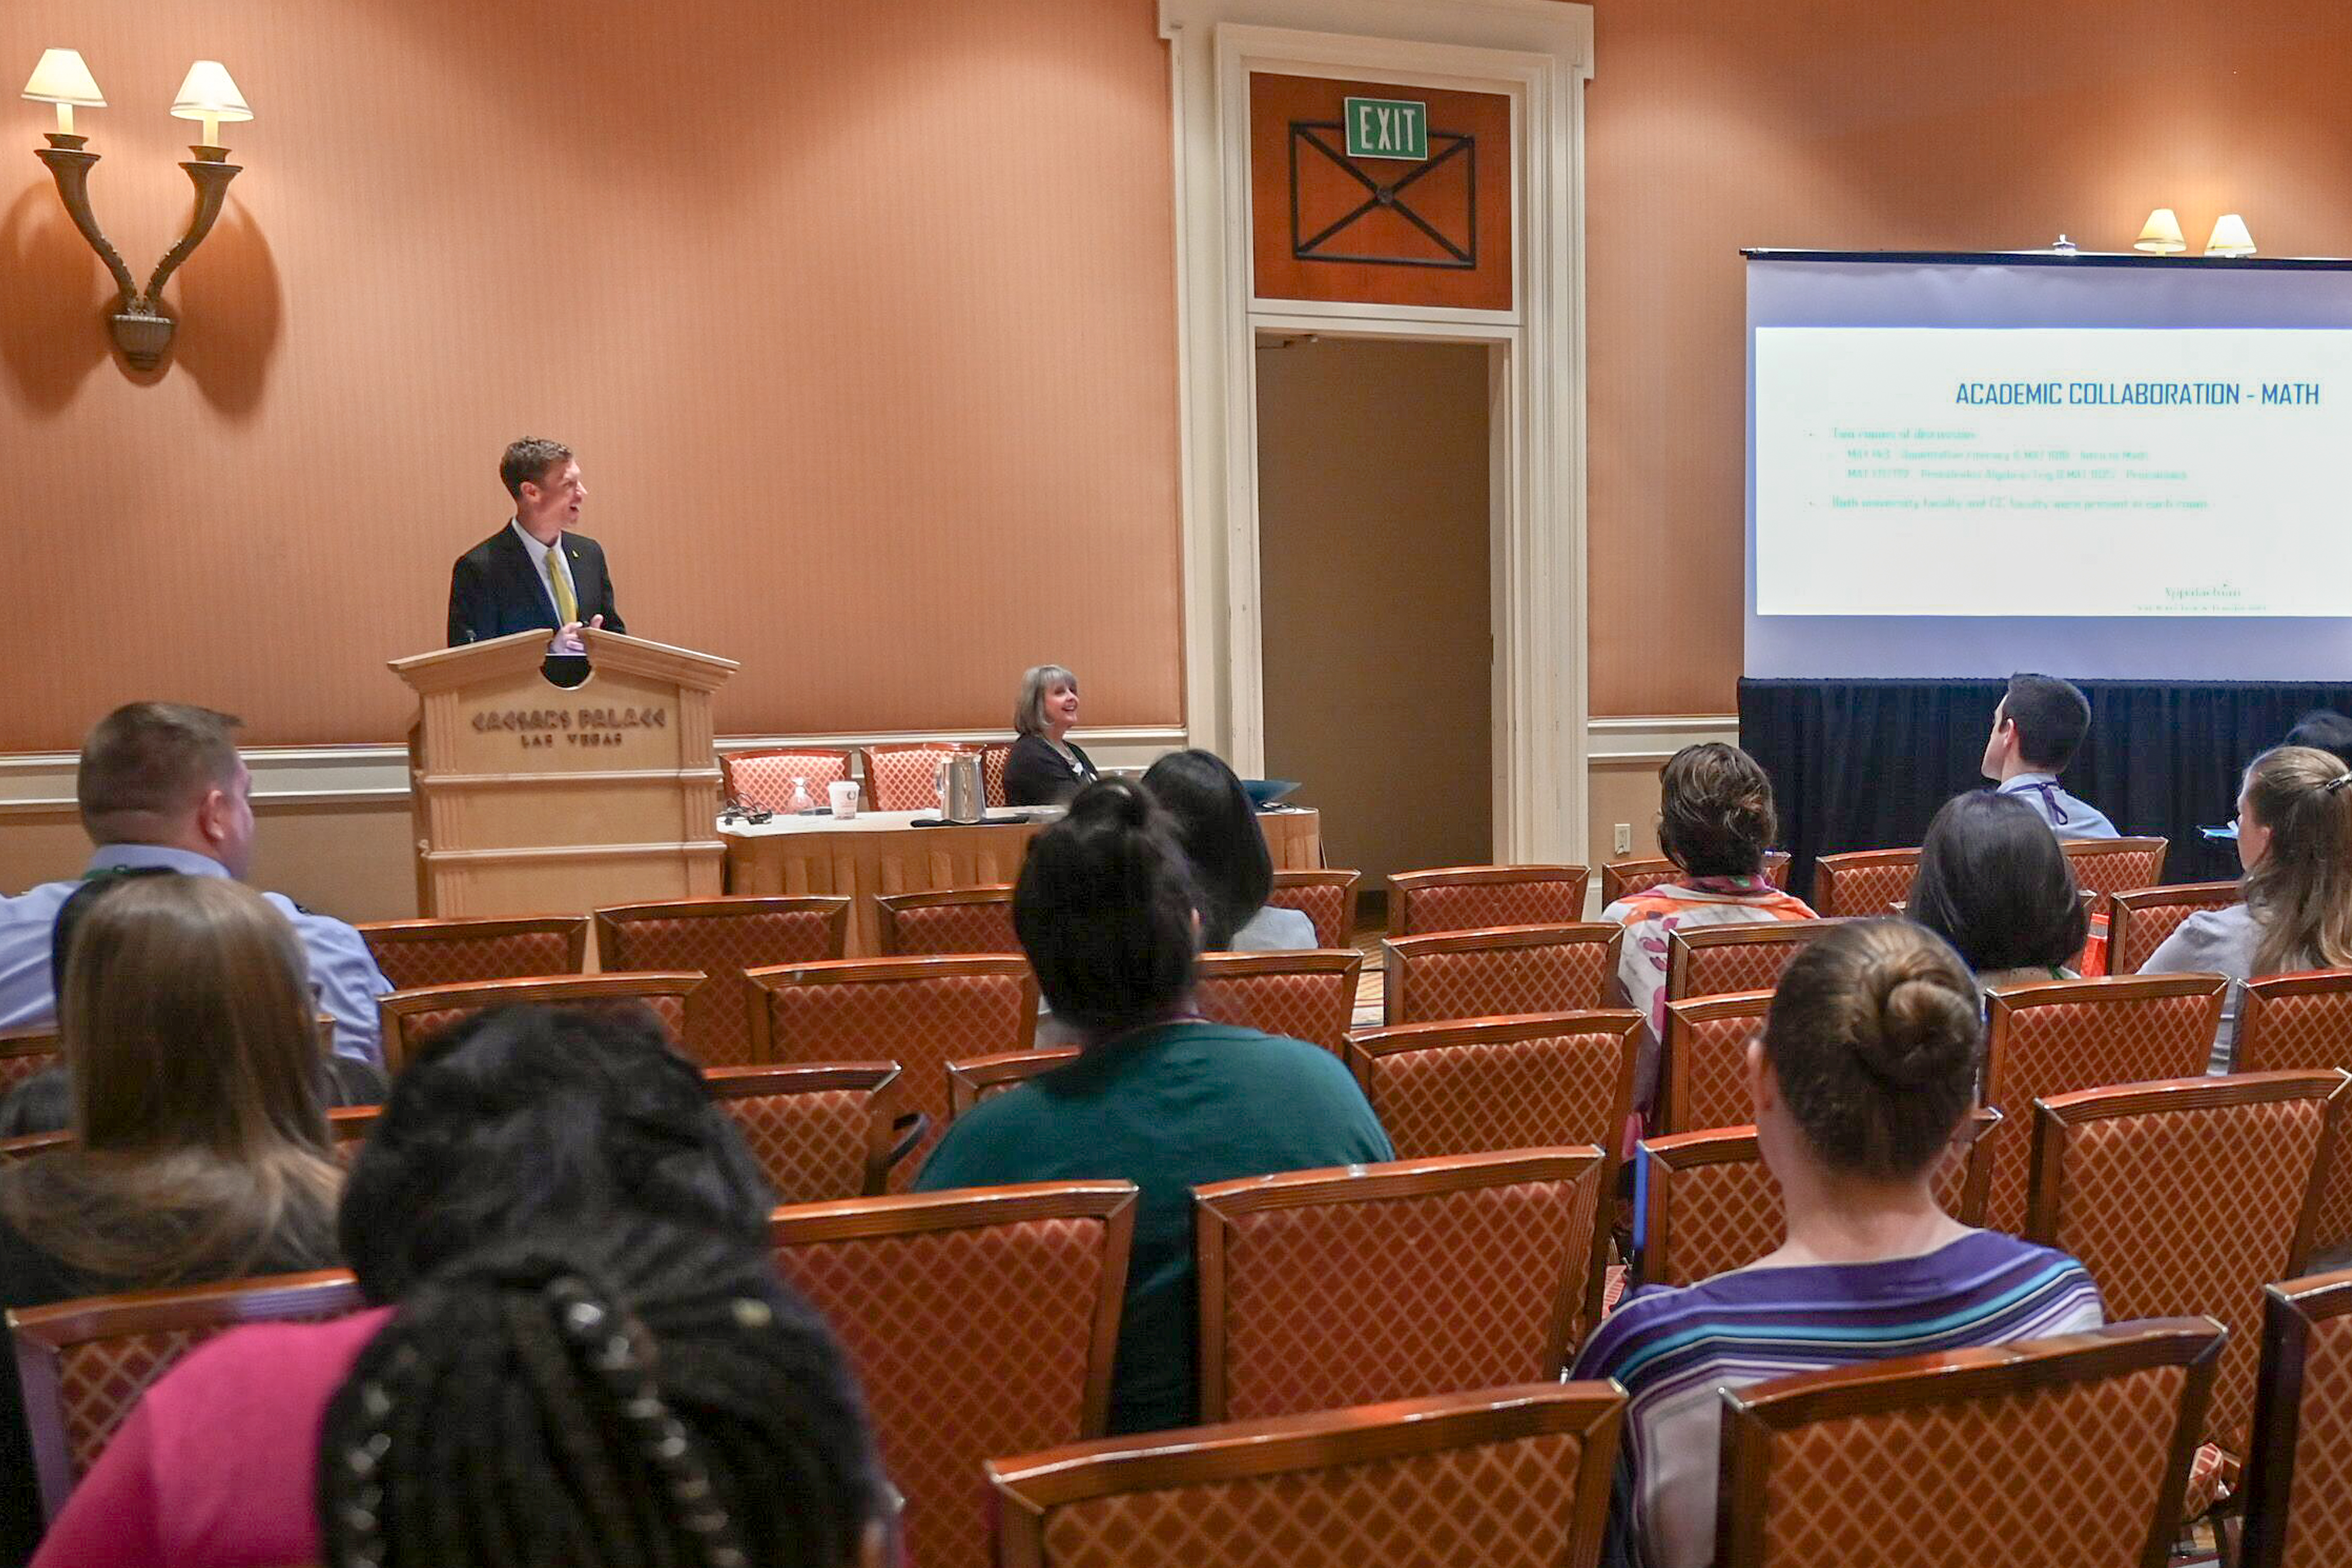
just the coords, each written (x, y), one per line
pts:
(1387, 128)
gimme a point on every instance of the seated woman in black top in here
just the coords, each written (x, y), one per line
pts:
(1045, 768)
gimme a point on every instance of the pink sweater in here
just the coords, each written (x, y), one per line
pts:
(216, 1466)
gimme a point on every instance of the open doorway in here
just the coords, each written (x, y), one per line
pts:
(1374, 464)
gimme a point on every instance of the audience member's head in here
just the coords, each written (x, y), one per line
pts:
(1994, 883)
(1104, 909)
(185, 1021)
(634, 1395)
(2294, 839)
(1714, 810)
(1216, 826)
(2037, 727)
(1869, 1055)
(168, 774)
(516, 1120)
(2324, 729)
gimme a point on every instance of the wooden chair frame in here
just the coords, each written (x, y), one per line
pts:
(873, 799)
(572, 928)
(345, 1125)
(1026, 1486)
(1754, 1416)
(2095, 849)
(776, 976)
(1680, 945)
(1345, 961)
(560, 991)
(1616, 873)
(721, 907)
(1404, 884)
(43, 1335)
(1827, 868)
(16, 1044)
(879, 1079)
(972, 1208)
(2291, 1312)
(1347, 882)
(971, 1077)
(2122, 906)
(889, 905)
(1395, 951)
(1675, 1114)
(730, 787)
(2006, 1002)
(2254, 1011)
(1216, 1205)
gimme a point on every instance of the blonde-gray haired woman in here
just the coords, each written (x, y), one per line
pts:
(1046, 768)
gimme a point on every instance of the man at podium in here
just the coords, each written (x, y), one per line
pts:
(535, 573)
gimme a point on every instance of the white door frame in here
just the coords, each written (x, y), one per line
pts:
(1539, 53)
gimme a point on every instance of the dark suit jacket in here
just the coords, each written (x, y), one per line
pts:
(495, 591)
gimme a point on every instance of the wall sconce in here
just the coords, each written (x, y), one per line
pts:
(143, 329)
(2230, 238)
(2162, 233)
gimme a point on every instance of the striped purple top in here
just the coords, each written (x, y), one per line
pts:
(1674, 1349)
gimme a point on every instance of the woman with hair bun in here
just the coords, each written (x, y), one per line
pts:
(1866, 1069)
(1110, 918)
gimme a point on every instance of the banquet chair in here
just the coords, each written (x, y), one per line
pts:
(971, 1079)
(1362, 1283)
(1327, 898)
(818, 1129)
(411, 1017)
(978, 1322)
(1623, 878)
(1862, 882)
(2302, 1453)
(83, 1365)
(1702, 1076)
(1500, 973)
(1711, 961)
(1307, 996)
(1503, 1478)
(1474, 898)
(951, 920)
(2072, 1450)
(902, 778)
(348, 1127)
(2138, 920)
(921, 1012)
(413, 955)
(723, 937)
(2287, 1022)
(1711, 1205)
(24, 1052)
(2232, 1163)
(995, 758)
(2054, 1036)
(762, 779)
(2115, 865)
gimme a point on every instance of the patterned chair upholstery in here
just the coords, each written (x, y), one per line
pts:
(1712, 1205)
(953, 920)
(2067, 1450)
(921, 1012)
(722, 937)
(1327, 898)
(1362, 1283)
(2302, 1429)
(414, 954)
(1507, 1477)
(2058, 1035)
(1307, 996)
(412, 1017)
(975, 1079)
(1704, 1078)
(1494, 973)
(2287, 1022)
(1862, 883)
(2230, 1163)
(83, 1364)
(1474, 898)
(1623, 878)
(24, 1052)
(2115, 865)
(762, 780)
(995, 757)
(1713, 960)
(2139, 921)
(980, 1321)
(903, 778)
(820, 1131)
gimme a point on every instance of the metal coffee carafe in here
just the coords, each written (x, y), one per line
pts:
(963, 795)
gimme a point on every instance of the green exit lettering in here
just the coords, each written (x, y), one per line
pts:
(1387, 128)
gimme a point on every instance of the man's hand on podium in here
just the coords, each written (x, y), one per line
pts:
(569, 642)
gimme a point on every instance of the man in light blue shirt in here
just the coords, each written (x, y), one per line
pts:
(2036, 732)
(162, 785)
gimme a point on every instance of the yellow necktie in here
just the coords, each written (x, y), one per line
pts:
(567, 608)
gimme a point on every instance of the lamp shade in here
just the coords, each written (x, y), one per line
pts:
(61, 77)
(2230, 238)
(2162, 233)
(209, 91)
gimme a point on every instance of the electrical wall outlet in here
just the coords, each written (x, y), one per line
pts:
(1624, 839)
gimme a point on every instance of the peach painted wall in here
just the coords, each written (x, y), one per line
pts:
(861, 318)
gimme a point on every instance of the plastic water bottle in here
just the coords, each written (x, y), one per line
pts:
(800, 801)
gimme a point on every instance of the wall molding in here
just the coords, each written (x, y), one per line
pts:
(1649, 740)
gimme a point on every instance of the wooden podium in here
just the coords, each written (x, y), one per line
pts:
(532, 798)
